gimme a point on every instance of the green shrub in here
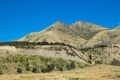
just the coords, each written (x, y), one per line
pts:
(35, 63)
(98, 62)
(73, 78)
(70, 65)
(1, 72)
(77, 79)
(28, 68)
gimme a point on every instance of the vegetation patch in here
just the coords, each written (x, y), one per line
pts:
(35, 64)
(27, 45)
(77, 79)
(115, 62)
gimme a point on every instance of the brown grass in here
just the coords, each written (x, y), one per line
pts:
(98, 72)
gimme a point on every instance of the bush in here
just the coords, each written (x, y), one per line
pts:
(35, 70)
(35, 64)
(43, 70)
(70, 66)
(50, 67)
(115, 62)
(1, 71)
(28, 68)
(98, 62)
(60, 69)
(73, 78)
(19, 70)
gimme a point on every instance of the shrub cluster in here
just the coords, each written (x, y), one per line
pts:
(36, 64)
(25, 44)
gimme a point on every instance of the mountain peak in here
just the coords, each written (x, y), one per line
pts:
(81, 24)
(59, 23)
(86, 30)
(78, 23)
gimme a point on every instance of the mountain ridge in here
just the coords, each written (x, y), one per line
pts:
(107, 38)
(86, 30)
(75, 34)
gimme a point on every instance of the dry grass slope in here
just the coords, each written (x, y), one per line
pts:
(98, 72)
(57, 32)
(106, 37)
(86, 30)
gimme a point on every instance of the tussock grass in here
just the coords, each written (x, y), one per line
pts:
(97, 72)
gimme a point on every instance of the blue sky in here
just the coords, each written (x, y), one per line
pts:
(20, 17)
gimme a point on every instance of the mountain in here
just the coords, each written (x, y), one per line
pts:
(105, 38)
(77, 34)
(57, 32)
(61, 47)
(86, 30)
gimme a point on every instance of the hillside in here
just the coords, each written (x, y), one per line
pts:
(57, 32)
(28, 57)
(86, 30)
(61, 48)
(79, 34)
(97, 44)
(106, 38)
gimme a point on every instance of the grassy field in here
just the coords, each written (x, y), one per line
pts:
(98, 72)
